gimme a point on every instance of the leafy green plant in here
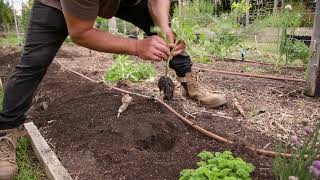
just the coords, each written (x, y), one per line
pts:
(286, 22)
(25, 15)
(126, 69)
(303, 156)
(218, 166)
(102, 24)
(6, 15)
(295, 50)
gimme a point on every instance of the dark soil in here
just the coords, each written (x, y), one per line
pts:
(146, 142)
(166, 85)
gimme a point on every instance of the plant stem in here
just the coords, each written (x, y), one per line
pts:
(170, 58)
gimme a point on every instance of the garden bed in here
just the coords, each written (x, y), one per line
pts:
(146, 142)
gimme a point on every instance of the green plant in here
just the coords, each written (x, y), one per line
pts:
(303, 156)
(295, 50)
(25, 15)
(102, 24)
(126, 69)
(29, 169)
(6, 16)
(218, 166)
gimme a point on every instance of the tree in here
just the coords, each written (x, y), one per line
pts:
(6, 16)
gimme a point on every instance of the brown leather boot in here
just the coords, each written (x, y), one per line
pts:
(193, 90)
(8, 166)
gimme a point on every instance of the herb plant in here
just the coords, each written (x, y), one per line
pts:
(299, 165)
(218, 166)
(126, 69)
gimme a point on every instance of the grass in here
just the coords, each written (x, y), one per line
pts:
(29, 168)
(11, 40)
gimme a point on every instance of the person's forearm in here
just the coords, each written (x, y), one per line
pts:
(159, 10)
(105, 42)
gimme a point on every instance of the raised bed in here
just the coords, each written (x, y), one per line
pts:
(146, 142)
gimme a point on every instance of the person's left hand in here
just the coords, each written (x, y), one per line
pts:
(172, 38)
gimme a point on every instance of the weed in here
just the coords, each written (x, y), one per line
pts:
(126, 69)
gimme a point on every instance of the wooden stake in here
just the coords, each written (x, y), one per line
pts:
(313, 76)
(239, 108)
(275, 6)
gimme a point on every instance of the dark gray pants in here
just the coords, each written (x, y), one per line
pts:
(46, 32)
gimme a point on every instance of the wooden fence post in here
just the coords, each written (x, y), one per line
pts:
(313, 76)
(275, 6)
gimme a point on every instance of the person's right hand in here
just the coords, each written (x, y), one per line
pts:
(153, 48)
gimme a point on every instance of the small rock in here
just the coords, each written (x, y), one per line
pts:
(52, 121)
(44, 106)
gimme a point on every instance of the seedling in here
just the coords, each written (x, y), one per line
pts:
(165, 83)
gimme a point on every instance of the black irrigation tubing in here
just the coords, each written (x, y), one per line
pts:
(218, 138)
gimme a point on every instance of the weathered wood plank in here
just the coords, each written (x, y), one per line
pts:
(48, 159)
(312, 86)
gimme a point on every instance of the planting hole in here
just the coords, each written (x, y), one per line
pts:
(157, 143)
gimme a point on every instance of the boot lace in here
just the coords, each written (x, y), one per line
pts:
(198, 87)
(7, 150)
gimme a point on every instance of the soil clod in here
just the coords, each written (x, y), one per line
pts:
(166, 86)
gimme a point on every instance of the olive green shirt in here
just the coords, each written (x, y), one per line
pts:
(85, 9)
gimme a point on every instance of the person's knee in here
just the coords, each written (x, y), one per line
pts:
(180, 61)
(181, 64)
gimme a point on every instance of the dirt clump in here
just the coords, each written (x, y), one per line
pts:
(166, 85)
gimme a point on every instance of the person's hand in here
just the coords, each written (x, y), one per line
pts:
(153, 48)
(172, 38)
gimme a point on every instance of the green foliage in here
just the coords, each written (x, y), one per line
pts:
(298, 167)
(218, 166)
(126, 69)
(283, 18)
(24, 19)
(6, 15)
(28, 168)
(295, 50)
(11, 39)
(102, 24)
(239, 9)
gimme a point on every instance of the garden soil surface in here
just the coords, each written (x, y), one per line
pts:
(79, 120)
